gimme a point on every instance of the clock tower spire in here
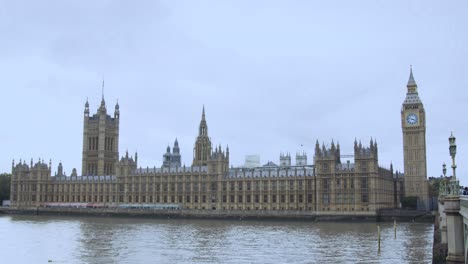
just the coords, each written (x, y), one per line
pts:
(413, 123)
(412, 87)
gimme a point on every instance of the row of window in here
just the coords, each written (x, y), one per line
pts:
(92, 169)
(188, 186)
(341, 198)
(274, 198)
(241, 185)
(148, 188)
(93, 143)
(169, 199)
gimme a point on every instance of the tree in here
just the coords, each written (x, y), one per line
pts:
(410, 202)
(5, 180)
(434, 184)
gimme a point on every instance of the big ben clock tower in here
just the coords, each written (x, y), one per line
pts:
(413, 123)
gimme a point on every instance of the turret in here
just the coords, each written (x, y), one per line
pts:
(219, 161)
(117, 110)
(376, 149)
(318, 153)
(338, 153)
(301, 159)
(176, 148)
(218, 154)
(172, 160)
(86, 111)
(126, 165)
(60, 169)
(329, 156)
(167, 157)
(102, 108)
(285, 159)
(176, 158)
(367, 153)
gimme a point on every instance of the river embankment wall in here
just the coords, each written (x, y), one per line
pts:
(381, 216)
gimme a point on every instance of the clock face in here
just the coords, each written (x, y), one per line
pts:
(412, 119)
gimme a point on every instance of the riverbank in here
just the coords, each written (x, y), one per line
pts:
(382, 216)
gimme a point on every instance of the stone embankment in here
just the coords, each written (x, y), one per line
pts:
(405, 215)
(220, 214)
(439, 249)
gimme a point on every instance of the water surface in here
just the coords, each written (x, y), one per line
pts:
(38, 239)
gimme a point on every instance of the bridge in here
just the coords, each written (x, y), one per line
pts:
(464, 214)
(453, 221)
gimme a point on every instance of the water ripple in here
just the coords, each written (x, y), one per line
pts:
(37, 239)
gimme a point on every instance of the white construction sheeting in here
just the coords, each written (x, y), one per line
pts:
(252, 161)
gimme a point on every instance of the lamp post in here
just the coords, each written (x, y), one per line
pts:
(443, 189)
(455, 233)
(454, 188)
(453, 152)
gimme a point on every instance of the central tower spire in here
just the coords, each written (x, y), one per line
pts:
(202, 148)
(203, 129)
(103, 103)
(203, 113)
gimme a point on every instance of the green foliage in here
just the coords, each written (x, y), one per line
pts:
(434, 189)
(410, 202)
(5, 180)
(434, 185)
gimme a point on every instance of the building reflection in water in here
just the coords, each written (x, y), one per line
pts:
(132, 240)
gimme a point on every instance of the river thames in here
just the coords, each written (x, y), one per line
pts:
(39, 239)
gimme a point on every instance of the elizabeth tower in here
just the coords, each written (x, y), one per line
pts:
(413, 123)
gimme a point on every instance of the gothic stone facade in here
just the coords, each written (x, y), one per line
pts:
(327, 187)
(413, 123)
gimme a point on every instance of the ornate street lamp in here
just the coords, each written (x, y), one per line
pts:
(454, 186)
(443, 189)
(453, 152)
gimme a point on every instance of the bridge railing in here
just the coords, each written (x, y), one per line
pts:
(451, 187)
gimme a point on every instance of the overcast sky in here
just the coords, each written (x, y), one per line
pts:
(273, 75)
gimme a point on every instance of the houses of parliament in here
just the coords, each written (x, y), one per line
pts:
(325, 186)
